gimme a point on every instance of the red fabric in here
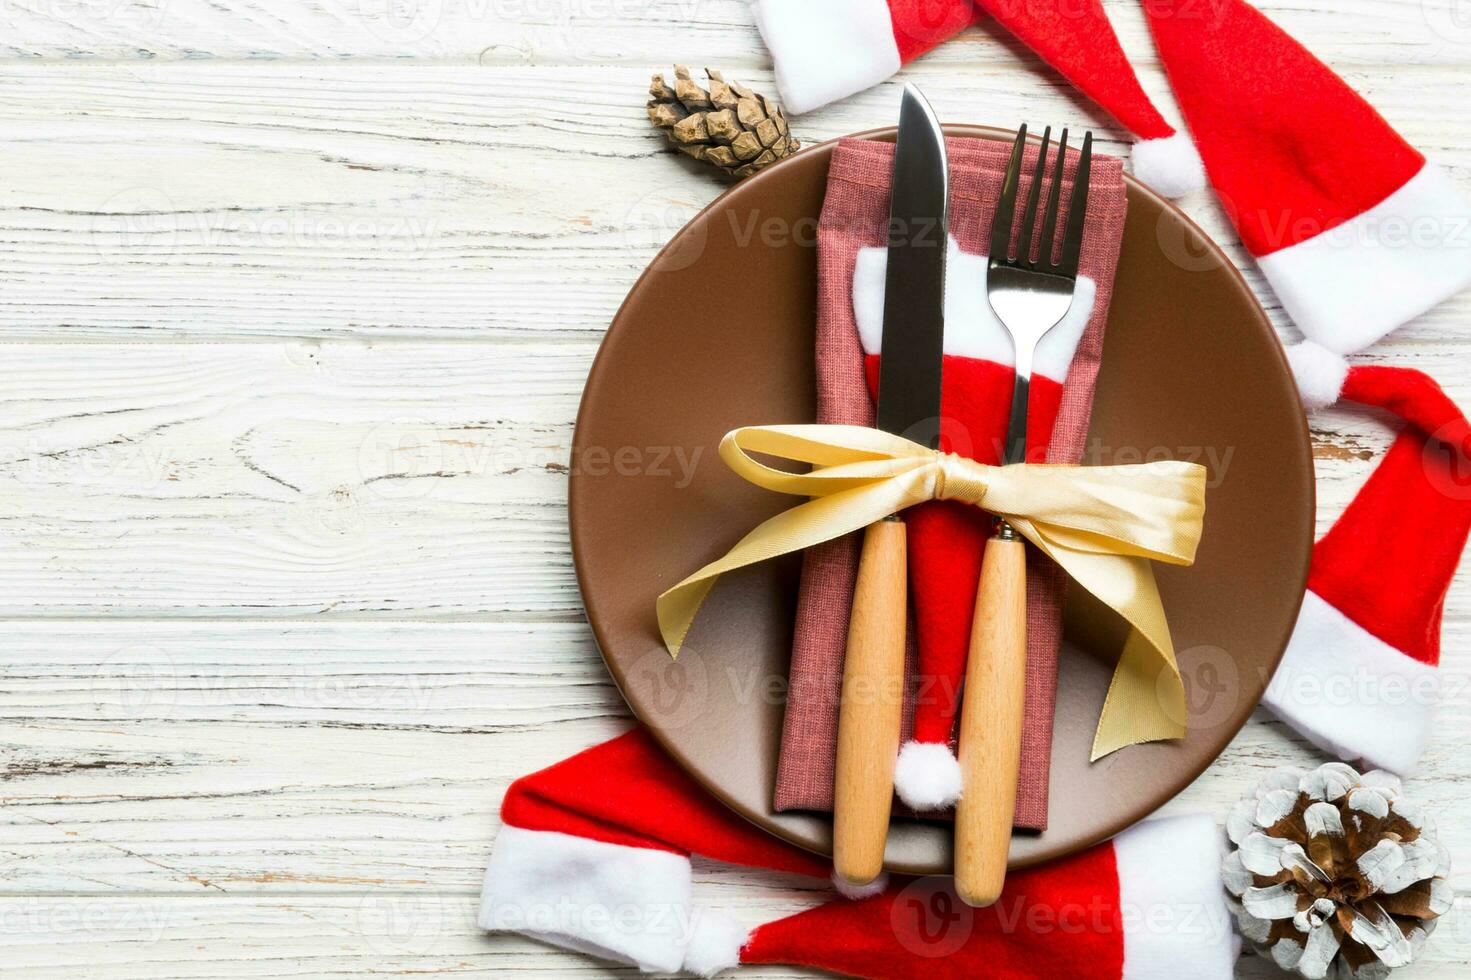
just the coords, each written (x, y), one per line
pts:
(946, 539)
(1061, 922)
(1389, 560)
(855, 216)
(920, 25)
(1292, 150)
(629, 792)
(1076, 38)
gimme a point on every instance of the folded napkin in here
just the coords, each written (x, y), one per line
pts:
(946, 539)
(594, 856)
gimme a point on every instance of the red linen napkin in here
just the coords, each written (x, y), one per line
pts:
(976, 398)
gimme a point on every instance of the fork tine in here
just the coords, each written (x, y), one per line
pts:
(1034, 196)
(1054, 198)
(1006, 204)
(1072, 239)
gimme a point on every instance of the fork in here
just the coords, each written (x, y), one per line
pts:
(1030, 296)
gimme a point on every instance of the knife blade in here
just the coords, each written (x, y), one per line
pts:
(909, 404)
(914, 285)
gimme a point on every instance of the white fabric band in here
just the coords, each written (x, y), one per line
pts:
(972, 328)
(1351, 693)
(826, 50)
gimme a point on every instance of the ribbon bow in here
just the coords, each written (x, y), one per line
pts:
(1102, 524)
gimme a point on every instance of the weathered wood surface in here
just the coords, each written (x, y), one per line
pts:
(296, 303)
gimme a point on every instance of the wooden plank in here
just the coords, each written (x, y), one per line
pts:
(326, 938)
(394, 201)
(579, 32)
(178, 938)
(342, 479)
(298, 479)
(259, 758)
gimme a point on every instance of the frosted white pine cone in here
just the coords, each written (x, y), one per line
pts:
(1334, 874)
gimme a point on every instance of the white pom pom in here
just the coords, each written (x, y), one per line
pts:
(1320, 374)
(927, 776)
(854, 893)
(1170, 165)
(715, 944)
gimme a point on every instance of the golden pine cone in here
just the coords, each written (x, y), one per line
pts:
(729, 126)
(1335, 874)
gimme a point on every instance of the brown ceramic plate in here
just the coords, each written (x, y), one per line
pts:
(718, 333)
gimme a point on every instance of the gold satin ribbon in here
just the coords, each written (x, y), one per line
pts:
(1102, 524)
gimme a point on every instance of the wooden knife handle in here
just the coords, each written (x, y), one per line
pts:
(991, 722)
(873, 701)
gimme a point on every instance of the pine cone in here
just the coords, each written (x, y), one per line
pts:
(1335, 874)
(729, 126)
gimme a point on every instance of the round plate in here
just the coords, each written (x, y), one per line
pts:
(718, 333)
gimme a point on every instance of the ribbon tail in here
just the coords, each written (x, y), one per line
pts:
(1146, 698)
(1145, 703)
(812, 523)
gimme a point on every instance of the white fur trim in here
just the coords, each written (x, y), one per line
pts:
(972, 328)
(1351, 693)
(927, 776)
(1351, 285)
(1170, 165)
(1320, 374)
(715, 945)
(1173, 903)
(854, 893)
(626, 904)
(825, 50)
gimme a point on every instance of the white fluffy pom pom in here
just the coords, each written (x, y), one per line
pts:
(854, 893)
(1170, 165)
(927, 776)
(714, 945)
(1319, 372)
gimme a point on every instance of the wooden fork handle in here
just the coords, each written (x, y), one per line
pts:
(873, 699)
(991, 722)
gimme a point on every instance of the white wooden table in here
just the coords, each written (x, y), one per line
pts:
(297, 300)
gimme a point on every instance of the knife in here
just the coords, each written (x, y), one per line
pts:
(908, 405)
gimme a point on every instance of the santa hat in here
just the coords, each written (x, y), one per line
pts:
(946, 538)
(1360, 674)
(594, 857)
(825, 50)
(1355, 231)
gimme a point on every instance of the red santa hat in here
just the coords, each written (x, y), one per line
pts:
(1360, 674)
(825, 50)
(594, 857)
(947, 539)
(1355, 231)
